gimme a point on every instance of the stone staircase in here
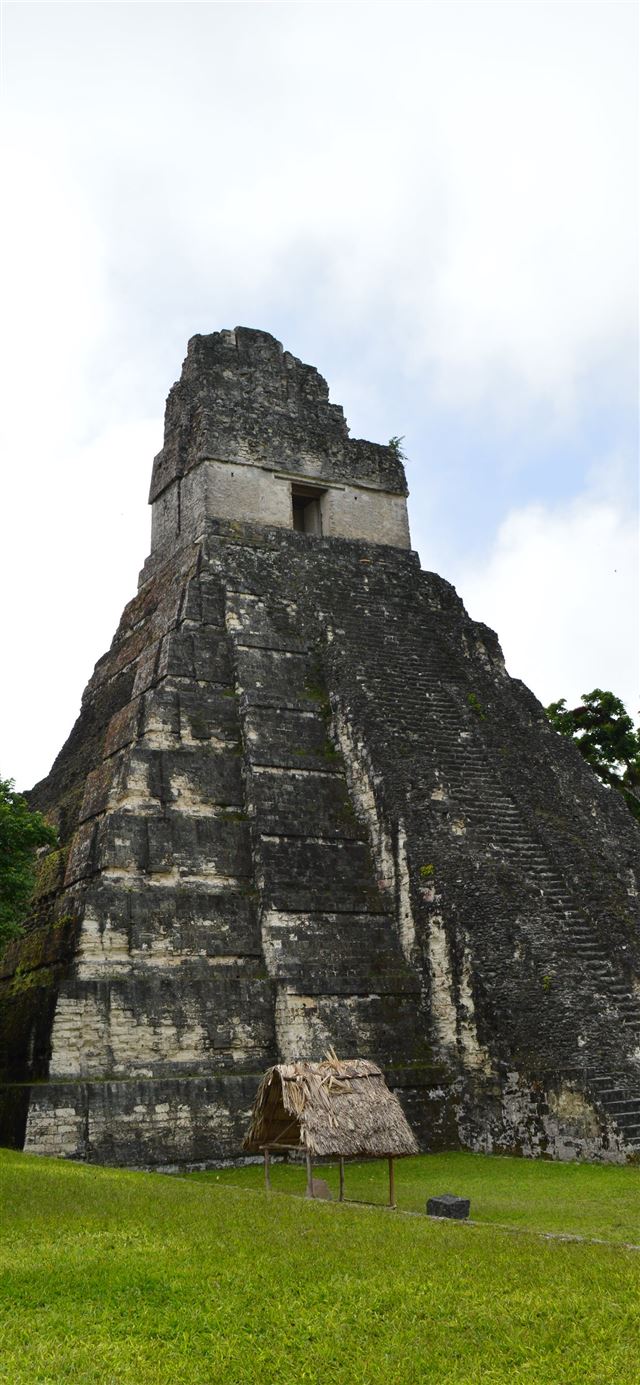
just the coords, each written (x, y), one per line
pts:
(611, 1092)
(497, 823)
(498, 820)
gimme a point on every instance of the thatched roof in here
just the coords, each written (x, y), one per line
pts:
(331, 1108)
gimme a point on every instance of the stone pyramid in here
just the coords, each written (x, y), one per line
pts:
(303, 806)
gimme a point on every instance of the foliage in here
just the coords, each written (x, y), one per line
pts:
(21, 834)
(111, 1276)
(395, 445)
(476, 705)
(604, 733)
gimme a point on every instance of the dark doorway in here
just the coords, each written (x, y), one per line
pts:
(306, 506)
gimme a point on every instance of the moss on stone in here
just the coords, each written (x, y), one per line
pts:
(50, 871)
(29, 980)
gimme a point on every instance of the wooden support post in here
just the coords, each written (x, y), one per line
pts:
(309, 1176)
(267, 1180)
(392, 1183)
(341, 1180)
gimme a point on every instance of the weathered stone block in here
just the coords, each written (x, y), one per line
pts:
(266, 625)
(195, 653)
(81, 860)
(295, 739)
(300, 802)
(208, 713)
(448, 1205)
(319, 876)
(269, 677)
(123, 728)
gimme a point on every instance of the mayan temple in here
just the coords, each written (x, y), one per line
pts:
(303, 806)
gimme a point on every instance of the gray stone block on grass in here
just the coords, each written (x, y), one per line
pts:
(448, 1205)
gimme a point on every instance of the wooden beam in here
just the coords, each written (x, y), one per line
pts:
(341, 1179)
(392, 1183)
(309, 1176)
(267, 1180)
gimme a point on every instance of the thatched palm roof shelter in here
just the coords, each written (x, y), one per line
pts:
(335, 1109)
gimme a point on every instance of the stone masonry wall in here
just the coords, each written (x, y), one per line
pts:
(245, 420)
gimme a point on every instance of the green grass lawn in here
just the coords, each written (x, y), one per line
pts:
(596, 1200)
(119, 1277)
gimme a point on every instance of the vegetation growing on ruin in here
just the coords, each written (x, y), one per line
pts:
(116, 1276)
(476, 706)
(316, 692)
(49, 872)
(395, 445)
(21, 834)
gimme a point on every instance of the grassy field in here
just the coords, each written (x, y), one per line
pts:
(592, 1200)
(120, 1277)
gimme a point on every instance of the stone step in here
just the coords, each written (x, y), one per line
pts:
(623, 1103)
(512, 842)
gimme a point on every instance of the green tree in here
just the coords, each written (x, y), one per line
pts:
(604, 733)
(21, 833)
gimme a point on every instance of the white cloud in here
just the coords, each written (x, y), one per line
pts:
(561, 587)
(71, 555)
(445, 190)
(458, 178)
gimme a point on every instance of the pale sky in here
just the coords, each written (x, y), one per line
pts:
(434, 204)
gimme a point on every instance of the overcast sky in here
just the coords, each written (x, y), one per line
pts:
(435, 204)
